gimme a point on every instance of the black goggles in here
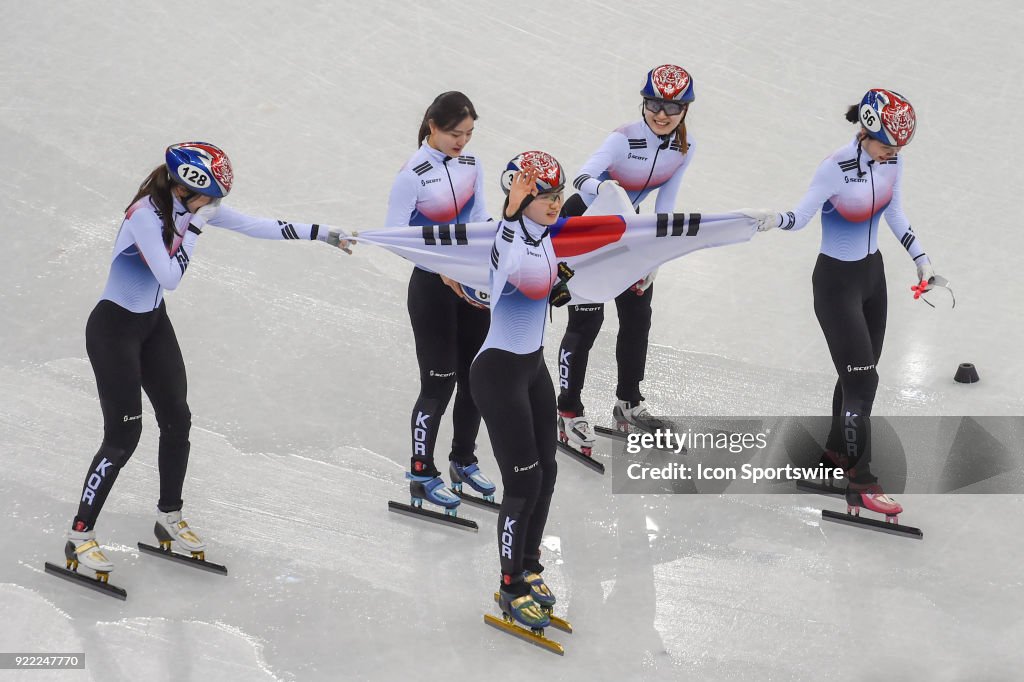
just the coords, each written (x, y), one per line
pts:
(669, 107)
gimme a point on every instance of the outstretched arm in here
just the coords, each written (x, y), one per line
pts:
(823, 186)
(902, 230)
(269, 228)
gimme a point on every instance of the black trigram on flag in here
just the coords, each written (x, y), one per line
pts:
(442, 234)
(678, 225)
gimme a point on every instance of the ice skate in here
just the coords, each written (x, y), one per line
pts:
(471, 474)
(574, 430)
(524, 618)
(576, 439)
(82, 549)
(635, 417)
(433, 490)
(170, 527)
(871, 497)
(524, 610)
(874, 499)
(542, 594)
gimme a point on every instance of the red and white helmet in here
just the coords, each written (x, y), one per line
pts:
(201, 167)
(550, 177)
(668, 82)
(888, 117)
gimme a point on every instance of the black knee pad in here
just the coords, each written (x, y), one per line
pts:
(176, 423)
(123, 436)
(438, 384)
(116, 456)
(585, 323)
(859, 387)
(523, 482)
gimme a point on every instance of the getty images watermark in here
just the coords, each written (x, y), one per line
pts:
(716, 455)
(681, 443)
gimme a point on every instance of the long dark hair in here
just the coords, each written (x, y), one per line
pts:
(446, 111)
(157, 186)
(684, 146)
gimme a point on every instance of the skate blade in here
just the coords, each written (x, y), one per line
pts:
(589, 462)
(186, 559)
(820, 488)
(522, 633)
(873, 524)
(556, 622)
(478, 501)
(85, 581)
(435, 517)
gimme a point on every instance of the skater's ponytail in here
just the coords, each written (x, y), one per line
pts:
(157, 186)
(684, 146)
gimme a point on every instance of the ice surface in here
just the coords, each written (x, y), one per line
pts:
(301, 365)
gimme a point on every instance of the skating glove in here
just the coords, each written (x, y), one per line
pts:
(340, 238)
(925, 272)
(644, 284)
(204, 214)
(765, 219)
(925, 277)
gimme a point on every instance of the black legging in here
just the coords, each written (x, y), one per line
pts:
(448, 333)
(584, 324)
(517, 400)
(131, 352)
(850, 302)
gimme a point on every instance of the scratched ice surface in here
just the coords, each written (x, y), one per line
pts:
(301, 366)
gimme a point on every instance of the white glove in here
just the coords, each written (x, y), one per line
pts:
(925, 273)
(340, 238)
(204, 214)
(644, 284)
(765, 219)
(607, 184)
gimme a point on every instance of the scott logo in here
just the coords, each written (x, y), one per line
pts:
(865, 368)
(95, 478)
(131, 419)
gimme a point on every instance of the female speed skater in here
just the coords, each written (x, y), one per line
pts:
(131, 342)
(854, 187)
(443, 184)
(511, 383)
(650, 154)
